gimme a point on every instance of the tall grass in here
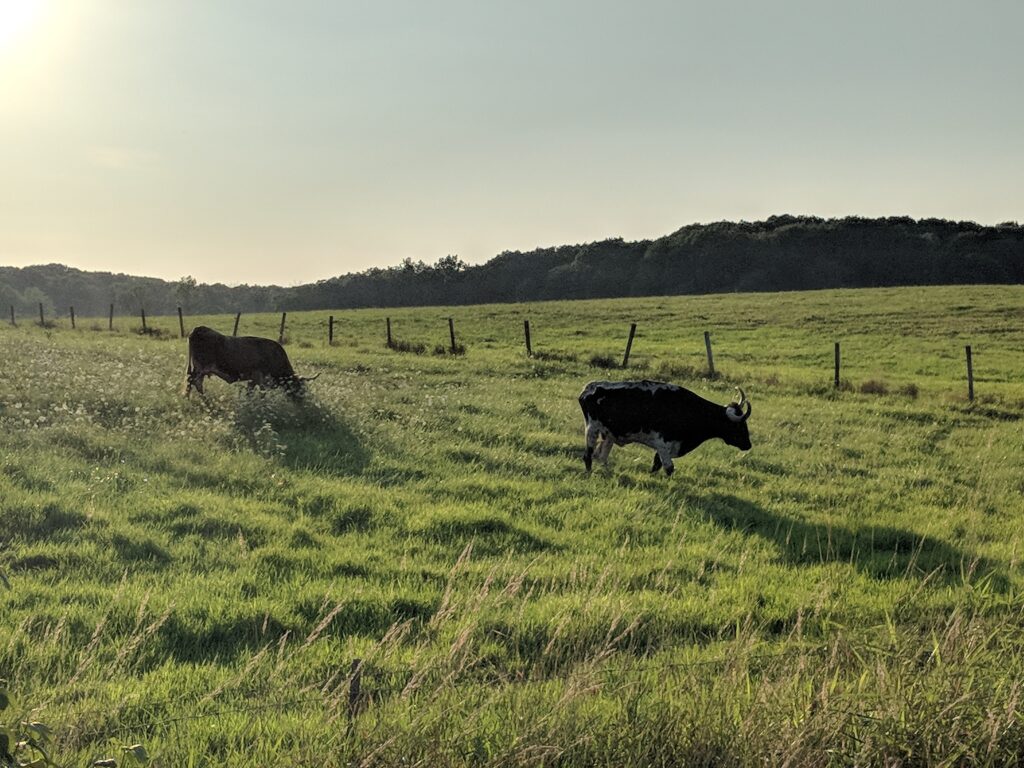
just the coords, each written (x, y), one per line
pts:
(200, 575)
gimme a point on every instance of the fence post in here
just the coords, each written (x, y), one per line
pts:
(629, 344)
(330, 330)
(12, 316)
(970, 375)
(41, 320)
(388, 320)
(181, 323)
(238, 316)
(526, 330)
(711, 359)
(110, 324)
(837, 366)
(280, 336)
(72, 318)
(451, 333)
(355, 673)
(142, 312)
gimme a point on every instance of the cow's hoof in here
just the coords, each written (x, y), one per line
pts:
(669, 471)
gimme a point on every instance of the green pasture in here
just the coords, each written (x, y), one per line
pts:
(199, 576)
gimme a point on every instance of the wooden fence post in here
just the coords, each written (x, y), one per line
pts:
(526, 330)
(451, 333)
(355, 675)
(41, 320)
(629, 344)
(12, 316)
(181, 323)
(970, 375)
(390, 343)
(72, 318)
(711, 359)
(110, 324)
(837, 366)
(280, 336)
(330, 330)
(238, 316)
(142, 312)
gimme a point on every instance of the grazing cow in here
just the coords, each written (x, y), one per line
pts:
(671, 420)
(261, 362)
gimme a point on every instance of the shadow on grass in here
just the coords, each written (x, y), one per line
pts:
(491, 536)
(219, 639)
(304, 435)
(201, 639)
(47, 523)
(333, 449)
(881, 552)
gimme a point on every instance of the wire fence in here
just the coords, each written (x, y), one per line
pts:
(455, 348)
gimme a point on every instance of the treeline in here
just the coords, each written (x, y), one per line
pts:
(783, 253)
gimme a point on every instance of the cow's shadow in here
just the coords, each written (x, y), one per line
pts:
(881, 552)
(305, 435)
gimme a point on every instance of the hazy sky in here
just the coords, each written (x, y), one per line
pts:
(255, 141)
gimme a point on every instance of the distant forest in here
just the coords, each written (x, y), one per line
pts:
(783, 253)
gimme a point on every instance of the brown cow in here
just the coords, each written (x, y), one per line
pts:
(261, 362)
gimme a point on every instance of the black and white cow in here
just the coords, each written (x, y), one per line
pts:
(671, 420)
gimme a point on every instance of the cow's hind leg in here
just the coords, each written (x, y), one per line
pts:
(194, 379)
(657, 463)
(189, 376)
(590, 435)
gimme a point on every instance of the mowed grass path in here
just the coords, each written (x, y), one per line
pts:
(198, 575)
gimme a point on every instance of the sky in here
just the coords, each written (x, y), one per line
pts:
(249, 141)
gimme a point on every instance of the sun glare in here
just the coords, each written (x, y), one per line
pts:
(17, 18)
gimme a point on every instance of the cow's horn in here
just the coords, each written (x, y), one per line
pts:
(749, 409)
(743, 397)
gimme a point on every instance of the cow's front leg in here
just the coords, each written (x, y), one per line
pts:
(657, 463)
(604, 448)
(664, 457)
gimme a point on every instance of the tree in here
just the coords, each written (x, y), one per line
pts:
(450, 264)
(184, 290)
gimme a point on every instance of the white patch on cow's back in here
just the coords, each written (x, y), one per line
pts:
(639, 386)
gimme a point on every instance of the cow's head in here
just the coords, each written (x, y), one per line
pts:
(736, 433)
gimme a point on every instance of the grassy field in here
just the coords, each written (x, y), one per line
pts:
(198, 576)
